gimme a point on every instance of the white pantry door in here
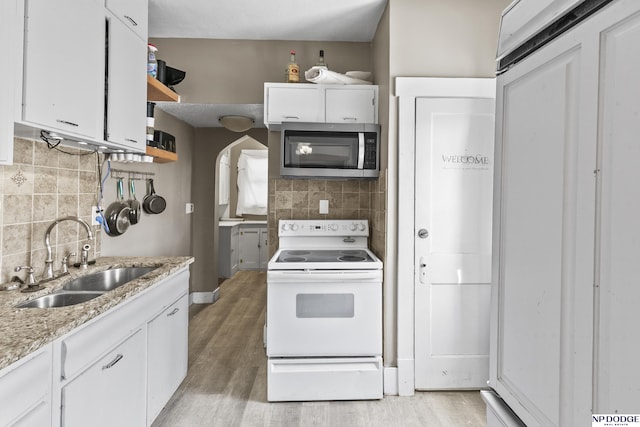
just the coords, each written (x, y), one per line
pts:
(453, 213)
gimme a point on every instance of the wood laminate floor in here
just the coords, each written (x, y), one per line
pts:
(227, 381)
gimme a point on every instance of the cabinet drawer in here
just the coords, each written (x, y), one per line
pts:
(25, 387)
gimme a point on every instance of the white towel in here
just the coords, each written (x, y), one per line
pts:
(252, 182)
(324, 76)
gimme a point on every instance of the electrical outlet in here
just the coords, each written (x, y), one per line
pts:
(324, 207)
(189, 208)
(94, 214)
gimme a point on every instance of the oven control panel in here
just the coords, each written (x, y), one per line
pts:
(329, 227)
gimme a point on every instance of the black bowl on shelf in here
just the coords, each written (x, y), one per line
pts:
(173, 76)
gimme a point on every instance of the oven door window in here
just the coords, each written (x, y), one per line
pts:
(324, 306)
(333, 150)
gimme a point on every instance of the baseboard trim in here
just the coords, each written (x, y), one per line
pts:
(204, 297)
(390, 381)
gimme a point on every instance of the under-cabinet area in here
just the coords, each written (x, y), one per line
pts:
(114, 360)
(242, 246)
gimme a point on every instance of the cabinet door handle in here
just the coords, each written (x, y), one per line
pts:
(113, 362)
(131, 140)
(174, 311)
(353, 119)
(130, 19)
(67, 122)
(291, 117)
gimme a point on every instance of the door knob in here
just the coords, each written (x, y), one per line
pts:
(423, 233)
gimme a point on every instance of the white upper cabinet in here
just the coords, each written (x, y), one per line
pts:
(126, 88)
(64, 66)
(133, 13)
(7, 51)
(351, 104)
(293, 103)
(309, 102)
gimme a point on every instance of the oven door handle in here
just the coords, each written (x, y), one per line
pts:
(288, 276)
(360, 150)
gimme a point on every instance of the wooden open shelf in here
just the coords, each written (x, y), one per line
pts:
(156, 91)
(161, 156)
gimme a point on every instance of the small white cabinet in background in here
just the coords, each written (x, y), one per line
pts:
(25, 390)
(310, 102)
(228, 250)
(167, 354)
(252, 245)
(64, 63)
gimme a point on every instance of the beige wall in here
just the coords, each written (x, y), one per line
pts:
(209, 143)
(234, 71)
(444, 38)
(168, 233)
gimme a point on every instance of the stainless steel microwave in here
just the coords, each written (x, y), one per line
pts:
(330, 150)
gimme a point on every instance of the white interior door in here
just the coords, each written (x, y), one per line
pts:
(453, 213)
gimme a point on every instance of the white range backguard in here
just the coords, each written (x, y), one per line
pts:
(324, 313)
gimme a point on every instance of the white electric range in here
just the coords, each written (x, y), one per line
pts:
(324, 313)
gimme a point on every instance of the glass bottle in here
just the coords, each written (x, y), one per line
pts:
(321, 62)
(293, 70)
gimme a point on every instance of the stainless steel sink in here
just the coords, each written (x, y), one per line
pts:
(84, 288)
(62, 299)
(107, 280)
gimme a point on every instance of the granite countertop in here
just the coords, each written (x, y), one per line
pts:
(25, 330)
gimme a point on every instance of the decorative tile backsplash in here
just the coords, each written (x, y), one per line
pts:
(348, 199)
(44, 184)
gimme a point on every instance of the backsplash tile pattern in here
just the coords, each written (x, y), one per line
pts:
(40, 186)
(348, 199)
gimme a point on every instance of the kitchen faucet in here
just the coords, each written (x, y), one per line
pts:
(48, 263)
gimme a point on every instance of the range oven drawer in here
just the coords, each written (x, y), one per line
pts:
(324, 379)
(324, 316)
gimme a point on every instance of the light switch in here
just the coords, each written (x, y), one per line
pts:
(324, 207)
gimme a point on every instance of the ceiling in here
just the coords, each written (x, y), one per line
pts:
(305, 20)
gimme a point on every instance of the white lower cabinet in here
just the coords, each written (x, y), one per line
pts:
(112, 391)
(253, 249)
(25, 390)
(228, 251)
(122, 367)
(167, 355)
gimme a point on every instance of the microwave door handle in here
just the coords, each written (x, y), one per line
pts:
(360, 150)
